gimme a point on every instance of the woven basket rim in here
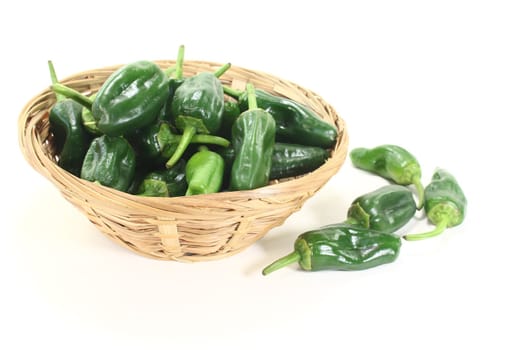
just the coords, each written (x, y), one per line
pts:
(256, 193)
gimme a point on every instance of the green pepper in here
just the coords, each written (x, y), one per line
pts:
(445, 204)
(89, 121)
(295, 122)
(393, 163)
(386, 209)
(157, 142)
(340, 246)
(130, 98)
(174, 179)
(110, 160)
(70, 138)
(153, 188)
(204, 172)
(197, 107)
(253, 139)
(290, 160)
(174, 82)
(230, 114)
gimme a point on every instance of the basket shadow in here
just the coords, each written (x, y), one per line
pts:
(328, 207)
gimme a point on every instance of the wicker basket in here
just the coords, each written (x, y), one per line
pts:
(193, 228)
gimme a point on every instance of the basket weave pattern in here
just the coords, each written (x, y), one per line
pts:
(192, 228)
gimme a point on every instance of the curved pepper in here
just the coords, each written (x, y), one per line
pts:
(340, 247)
(290, 160)
(295, 122)
(70, 138)
(253, 139)
(393, 163)
(386, 209)
(197, 107)
(445, 204)
(204, 172)
(110, 160)
(130, 98)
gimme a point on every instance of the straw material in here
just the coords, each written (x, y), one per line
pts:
(193, 228)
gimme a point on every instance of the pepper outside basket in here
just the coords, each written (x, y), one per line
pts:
(191, 228)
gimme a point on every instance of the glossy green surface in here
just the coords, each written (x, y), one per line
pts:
(130, 98)
(390, 162)
(204, 172)
(290, 160)
(69, 136)
(386, 209)
(295, 122)
(174, 179)
(197, 107)
(341, 247)
(253, 139)
(445, 204)
(110, 160)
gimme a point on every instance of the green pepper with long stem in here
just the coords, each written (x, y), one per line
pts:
(130, 98)
(393, 163)
(197, 107)
(253, 139)
(204, 172)
(70, 138)
(386, 209)
(156, 143)
(110, 160)
(175, 80)
(340, 246)
(445, 204)
(295, 122)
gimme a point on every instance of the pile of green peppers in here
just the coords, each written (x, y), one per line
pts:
(369, 235)
(155, 132)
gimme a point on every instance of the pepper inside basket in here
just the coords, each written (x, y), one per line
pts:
(188, 228)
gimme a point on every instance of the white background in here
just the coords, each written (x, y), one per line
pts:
(445, 79)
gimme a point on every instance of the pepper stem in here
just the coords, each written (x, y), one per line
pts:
(252, 99)
(420, 192)
(54, 80)
(188, 133)
(72, 94)
(441, 226)
(222, 70)
(232, 92)
(282, 262)
(210, 139)
(176, 70)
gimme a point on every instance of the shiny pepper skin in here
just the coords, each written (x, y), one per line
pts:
(110, 161)
(130, 98)
(386, 209)
(445, 204)
(253, 139)
(340, 246)
(392, 163)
